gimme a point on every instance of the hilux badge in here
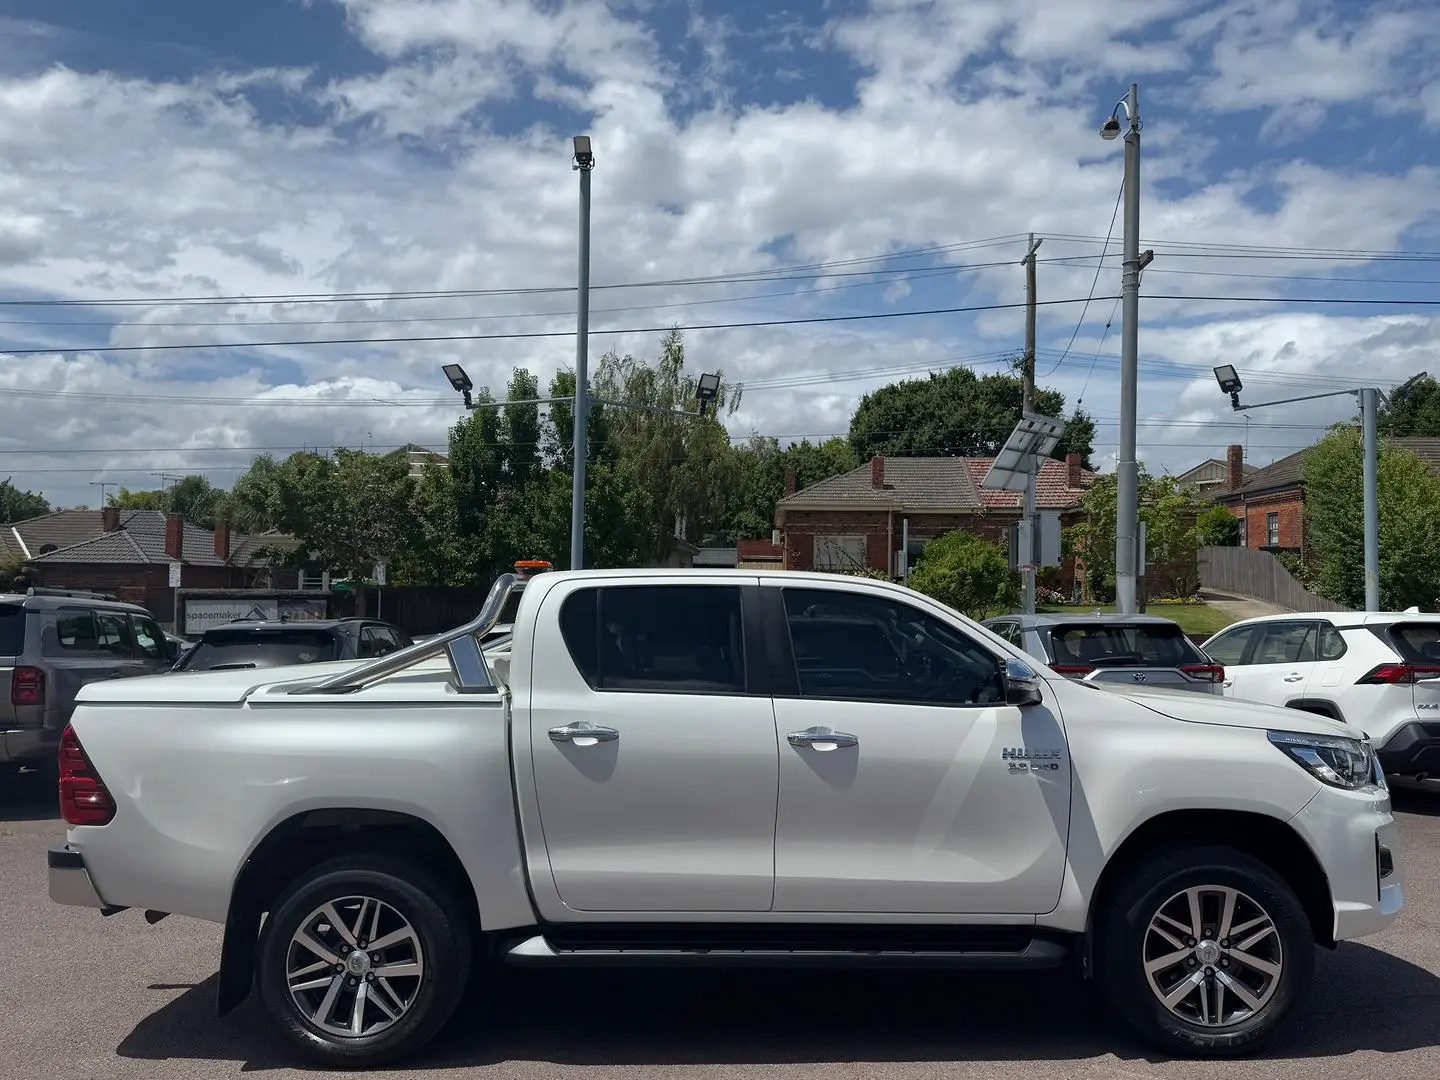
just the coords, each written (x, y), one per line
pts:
(1020, 759)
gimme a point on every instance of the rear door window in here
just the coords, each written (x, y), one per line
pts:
(12, 629)
(261, 648)
(1122, 645)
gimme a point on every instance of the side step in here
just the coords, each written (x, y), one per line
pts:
(539, 951)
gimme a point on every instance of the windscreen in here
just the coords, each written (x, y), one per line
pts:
(260, 648)
(12, 629)
(1122, 644)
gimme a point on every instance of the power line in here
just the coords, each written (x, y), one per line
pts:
(1099, 265)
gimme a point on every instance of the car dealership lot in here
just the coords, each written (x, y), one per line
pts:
(82, 996)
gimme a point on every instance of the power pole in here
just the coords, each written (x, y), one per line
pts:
(1029, 529)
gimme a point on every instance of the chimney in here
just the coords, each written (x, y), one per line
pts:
(1234, 466)
(222, 541)
(877, 471)
(1074, 471)
(175, 536)
(110, 518)
(789, 481)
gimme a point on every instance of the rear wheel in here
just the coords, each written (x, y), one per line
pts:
(363, 960)
(1205, 951)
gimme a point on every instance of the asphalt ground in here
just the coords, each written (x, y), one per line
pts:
(83, 996)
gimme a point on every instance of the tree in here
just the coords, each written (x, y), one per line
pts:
(1170, 515)
(349, 510)
(1218, 527)
(1416, 412)
(957, 413)
(17, 505)
(193, 497)
(1409, 496)
(969, 574)
(761, 466)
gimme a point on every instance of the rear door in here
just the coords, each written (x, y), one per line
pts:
(653, 747)
(12, 644)
(1278, 664)
(1418, 644)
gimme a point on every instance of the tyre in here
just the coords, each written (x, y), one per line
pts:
(1205, 951)
(363, 960)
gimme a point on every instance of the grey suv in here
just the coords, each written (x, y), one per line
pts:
(1131, 650)
(52, 642)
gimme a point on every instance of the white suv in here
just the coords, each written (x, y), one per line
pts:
(1377, 671)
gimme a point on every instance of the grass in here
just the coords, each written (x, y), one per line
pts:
(1191, 618)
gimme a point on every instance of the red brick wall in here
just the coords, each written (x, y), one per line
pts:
(1289, 505)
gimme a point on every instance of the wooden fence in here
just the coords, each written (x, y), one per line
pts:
(1258, 575)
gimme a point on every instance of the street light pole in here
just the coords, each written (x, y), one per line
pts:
(1369, 407)
(1230, 383)
(584, 162)
(1127, 508)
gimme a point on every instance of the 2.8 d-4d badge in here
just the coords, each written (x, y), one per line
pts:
(1022, 759)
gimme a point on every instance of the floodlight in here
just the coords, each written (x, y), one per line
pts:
(584, 155)
(1111, 128)
(1228, 378)
(707, 389)
(458, 379)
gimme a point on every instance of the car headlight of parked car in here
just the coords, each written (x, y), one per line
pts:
(1332, 759)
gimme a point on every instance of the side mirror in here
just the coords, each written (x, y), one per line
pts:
(1022, 685)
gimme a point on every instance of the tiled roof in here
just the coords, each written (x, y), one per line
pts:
(1052, 486)
(935, 484)
(1288, 472)
(139, 540)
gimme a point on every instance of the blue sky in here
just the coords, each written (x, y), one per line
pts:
(302, 148)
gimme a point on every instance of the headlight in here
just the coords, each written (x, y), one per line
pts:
(1331, 759)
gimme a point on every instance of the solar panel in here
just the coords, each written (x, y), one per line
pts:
(1032, 440)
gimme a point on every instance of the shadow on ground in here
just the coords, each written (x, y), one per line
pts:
(1364, 999)
(29, 796)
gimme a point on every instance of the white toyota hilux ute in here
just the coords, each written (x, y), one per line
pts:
(683, 767)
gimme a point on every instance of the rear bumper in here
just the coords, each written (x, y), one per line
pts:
(69, 879)
(29, 744)
(1414, 748)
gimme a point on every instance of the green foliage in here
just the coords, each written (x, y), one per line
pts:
(1218, 527)
(1171, 535)
(1416, 412)
(760, 483)
(1409, 496)
(193, 497)
(867, 572)
(17, 505)
(956, 413)
(969, 574)
(1299, 568)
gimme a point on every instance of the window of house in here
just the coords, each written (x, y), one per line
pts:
(1244, 533)
(679, 639)
(853, 647)
(1272, 530)
(840, 552)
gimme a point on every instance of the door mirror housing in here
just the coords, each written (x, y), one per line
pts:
(1022, 684)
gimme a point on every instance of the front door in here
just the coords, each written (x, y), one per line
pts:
(654, 754)
(907, 784)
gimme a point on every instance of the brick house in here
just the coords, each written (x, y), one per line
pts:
(129, 553)
(1270, 501)
(857, 520)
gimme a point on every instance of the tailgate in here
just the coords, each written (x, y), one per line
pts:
(12, 644)
(1418, 644)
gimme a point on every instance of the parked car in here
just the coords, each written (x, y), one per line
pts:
(1131, 650)
(1378, 672)
(52, 642)
(722, 767)
(255, 643)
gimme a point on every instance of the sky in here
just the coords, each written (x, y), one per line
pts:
(181, 182)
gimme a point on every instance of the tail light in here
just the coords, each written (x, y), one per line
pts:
(1071, 669)
(84, 799)
(27, 686)
(1212, 673)
(1398, 674)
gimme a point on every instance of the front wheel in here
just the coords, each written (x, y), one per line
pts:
(363, 960)
(1205, 951)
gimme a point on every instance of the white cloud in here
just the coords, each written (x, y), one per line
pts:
(971, 120)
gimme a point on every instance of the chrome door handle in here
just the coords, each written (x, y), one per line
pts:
(822, 739)
(1294, 676)
(1228, 682)
(583, 734)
